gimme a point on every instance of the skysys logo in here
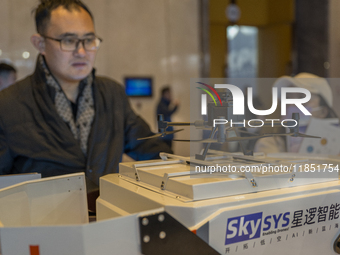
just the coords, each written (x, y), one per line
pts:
(247, 227)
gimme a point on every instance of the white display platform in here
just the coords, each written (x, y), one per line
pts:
(49, 201)
(296, 212)
(50, 216)
(9, 180)
(115, 236)
(181, 179)
(280, 213)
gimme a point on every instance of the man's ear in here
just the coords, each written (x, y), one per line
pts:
(38, 42)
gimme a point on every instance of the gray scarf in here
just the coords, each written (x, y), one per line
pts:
(81, 127)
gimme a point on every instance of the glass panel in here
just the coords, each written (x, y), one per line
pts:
(242, 52)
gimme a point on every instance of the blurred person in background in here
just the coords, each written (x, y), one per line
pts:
(8, 75)
(167, 107)
(320, 106)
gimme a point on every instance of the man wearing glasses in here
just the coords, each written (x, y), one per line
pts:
(63, 118)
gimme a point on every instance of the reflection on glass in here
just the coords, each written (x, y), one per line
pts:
(242, 52)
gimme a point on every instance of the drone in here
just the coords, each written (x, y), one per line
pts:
(218, 131)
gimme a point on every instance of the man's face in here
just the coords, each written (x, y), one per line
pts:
(167, 95)
(69, 67)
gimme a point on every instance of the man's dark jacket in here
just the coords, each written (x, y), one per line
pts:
(34, 138)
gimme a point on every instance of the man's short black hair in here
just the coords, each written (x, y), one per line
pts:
(5, 69)
(44, 9)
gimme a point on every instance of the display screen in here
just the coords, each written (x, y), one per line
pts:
(138, 86)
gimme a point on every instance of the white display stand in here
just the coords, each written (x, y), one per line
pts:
(279, 213)
(9, 180)
(115, 236)
(50, 201)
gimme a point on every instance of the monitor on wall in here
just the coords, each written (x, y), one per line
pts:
(138, 86)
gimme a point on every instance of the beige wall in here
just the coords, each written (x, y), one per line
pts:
(159, 38)
(16, 28)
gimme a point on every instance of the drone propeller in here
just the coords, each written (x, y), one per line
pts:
(244, 132)
(197, 141)
(231, 139)
(295, 130)
(308, 136)
(160, 134)
(236, 139)
(295, 135)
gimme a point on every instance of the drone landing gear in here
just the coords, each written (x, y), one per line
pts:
(244, 150)
(206, 148)
(221, 137)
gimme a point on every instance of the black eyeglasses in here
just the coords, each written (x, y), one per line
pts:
(72, 43)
